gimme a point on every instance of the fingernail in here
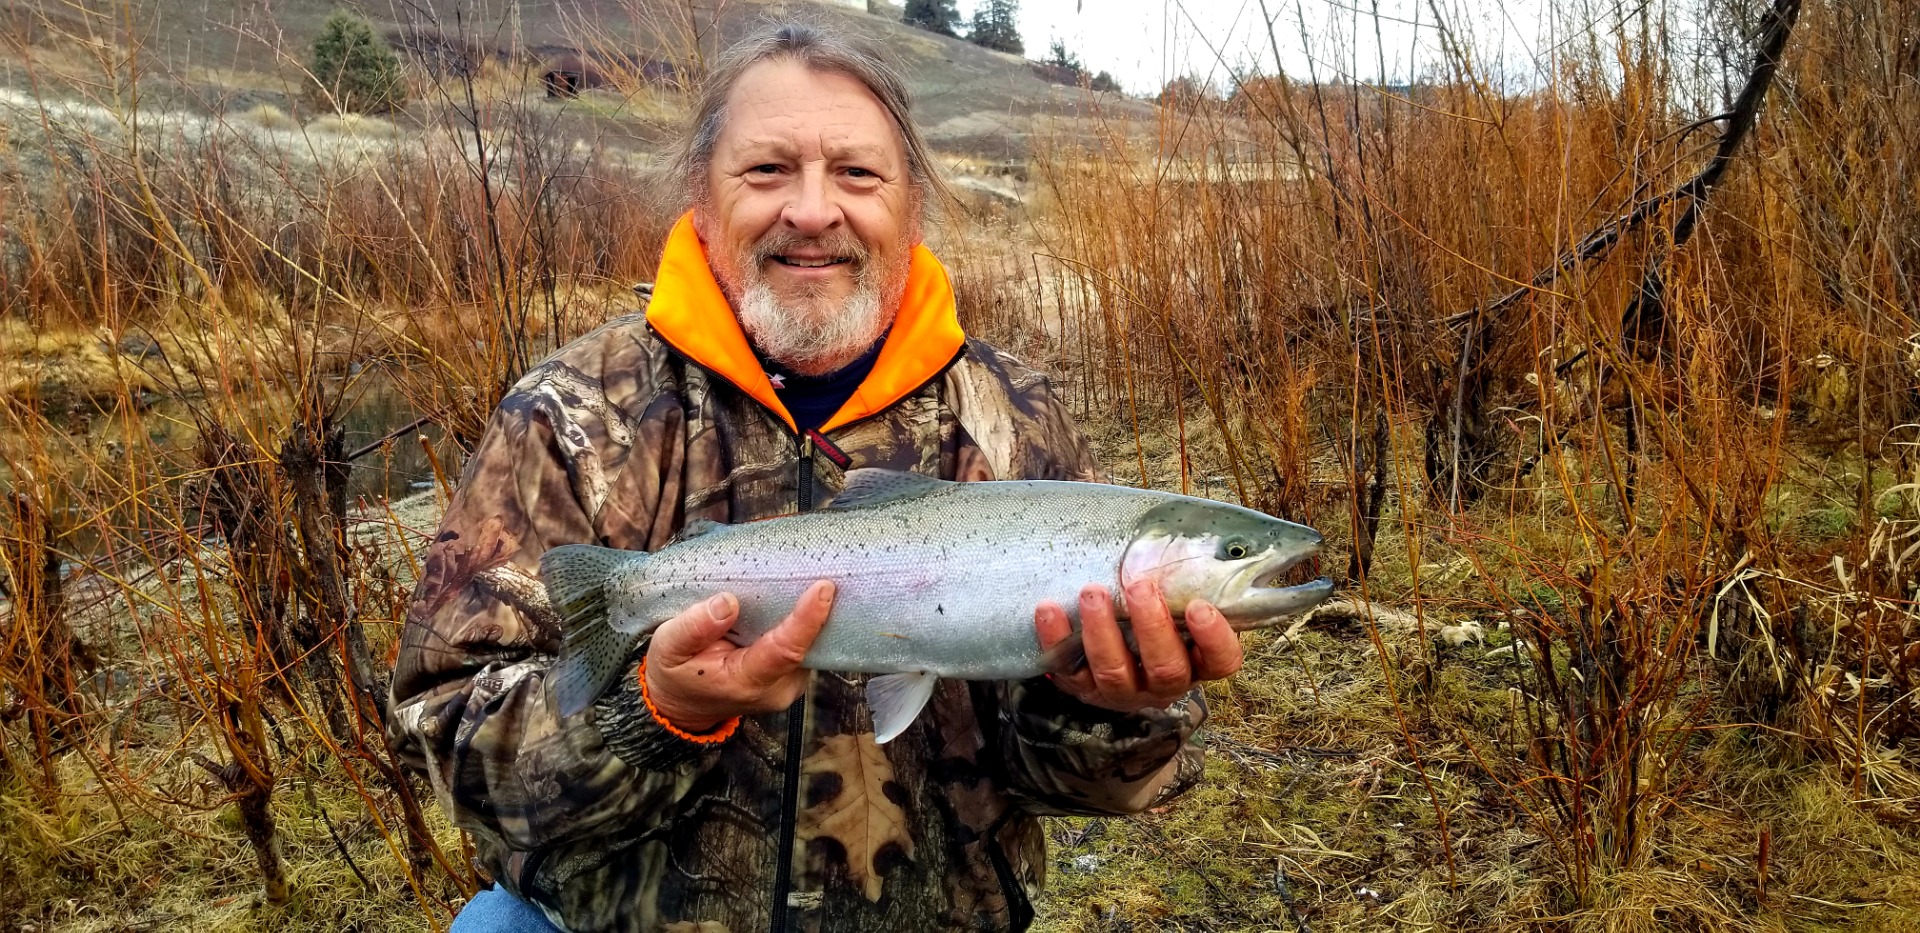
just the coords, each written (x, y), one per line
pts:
(721, 606)
(827, 592)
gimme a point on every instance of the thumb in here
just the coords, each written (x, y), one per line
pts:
(781, 651)
(680, 638)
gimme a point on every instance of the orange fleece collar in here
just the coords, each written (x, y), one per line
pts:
(691, 314)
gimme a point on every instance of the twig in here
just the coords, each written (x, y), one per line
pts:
(1649, 303)
(392, 435)
(1285, 890)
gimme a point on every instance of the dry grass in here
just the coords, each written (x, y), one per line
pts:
(58, 368)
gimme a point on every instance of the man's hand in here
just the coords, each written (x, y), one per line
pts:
(697, 679)
(1166, 668)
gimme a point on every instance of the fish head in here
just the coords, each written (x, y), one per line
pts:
(1231, 557)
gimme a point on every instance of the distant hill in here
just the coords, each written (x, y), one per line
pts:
(239, 54)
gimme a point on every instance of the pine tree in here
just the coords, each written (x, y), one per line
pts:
(939, 16)
(996, 26)
(1059, 56)
(357, 70)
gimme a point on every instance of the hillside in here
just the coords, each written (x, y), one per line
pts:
(235, 55)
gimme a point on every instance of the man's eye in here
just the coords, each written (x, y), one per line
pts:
(767, 169)
(861, 173)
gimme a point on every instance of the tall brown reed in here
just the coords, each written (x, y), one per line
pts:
(261, 266)
(1297, 264)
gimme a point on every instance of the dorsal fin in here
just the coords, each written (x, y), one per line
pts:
(695, 529)
(874, 486)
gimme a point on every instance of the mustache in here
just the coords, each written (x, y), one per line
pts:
(782, 242)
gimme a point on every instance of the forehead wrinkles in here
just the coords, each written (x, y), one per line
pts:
(822, 143)
(765, 111)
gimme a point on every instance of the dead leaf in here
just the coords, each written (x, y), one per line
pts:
(861, 817)
(688, 926)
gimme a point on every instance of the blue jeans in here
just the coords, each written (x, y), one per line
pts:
(495, 910)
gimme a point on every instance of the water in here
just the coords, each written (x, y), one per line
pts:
(162, 436)
(400, 467)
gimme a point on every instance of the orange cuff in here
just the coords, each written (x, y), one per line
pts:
(720, 733)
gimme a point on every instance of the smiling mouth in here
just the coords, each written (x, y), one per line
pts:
(796, 263)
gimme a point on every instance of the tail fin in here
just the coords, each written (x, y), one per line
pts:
(592, 652)
(576, 577)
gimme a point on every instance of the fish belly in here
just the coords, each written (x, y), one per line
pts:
(951, 595)
(970, 619)
(961, 616)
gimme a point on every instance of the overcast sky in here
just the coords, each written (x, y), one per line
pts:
(1146, 42)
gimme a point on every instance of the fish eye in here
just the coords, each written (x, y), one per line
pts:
(1235, 549)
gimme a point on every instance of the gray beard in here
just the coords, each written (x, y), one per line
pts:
(814, 338)
(808, 334)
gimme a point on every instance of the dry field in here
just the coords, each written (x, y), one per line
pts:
(1604, 391)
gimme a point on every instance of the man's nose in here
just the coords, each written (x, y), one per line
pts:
(812, 210)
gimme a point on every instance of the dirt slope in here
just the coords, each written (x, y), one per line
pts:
(238, 54)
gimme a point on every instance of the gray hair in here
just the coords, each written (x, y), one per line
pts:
(820, 52)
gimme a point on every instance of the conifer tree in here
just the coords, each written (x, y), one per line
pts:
(939, 16)
(356, 69)
(996, 26)
(1059, 56)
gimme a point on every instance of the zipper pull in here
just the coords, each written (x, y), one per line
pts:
(833, 452)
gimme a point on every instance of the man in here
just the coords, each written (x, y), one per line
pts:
(797, 328)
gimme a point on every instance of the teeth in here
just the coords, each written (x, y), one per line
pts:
(810, 263)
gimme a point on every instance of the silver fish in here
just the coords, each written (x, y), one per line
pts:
(934, 578)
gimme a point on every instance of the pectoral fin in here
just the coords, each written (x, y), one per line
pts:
(895, 700)
(1067, 657)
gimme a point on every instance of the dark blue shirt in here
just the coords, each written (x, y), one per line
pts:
(813, 399)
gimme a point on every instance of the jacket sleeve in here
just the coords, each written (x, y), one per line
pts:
(1064, 756)
(470, 704)
(1068, 758)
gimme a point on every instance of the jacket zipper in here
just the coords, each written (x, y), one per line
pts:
(803, 445)
(796, 731)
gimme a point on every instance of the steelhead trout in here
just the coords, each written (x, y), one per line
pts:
(934, 579)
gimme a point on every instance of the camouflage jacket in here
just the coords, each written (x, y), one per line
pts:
(606, 821)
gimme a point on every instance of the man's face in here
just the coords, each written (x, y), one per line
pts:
(809, 218)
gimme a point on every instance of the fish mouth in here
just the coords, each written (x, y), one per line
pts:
(1272, 572)
(1259, 596)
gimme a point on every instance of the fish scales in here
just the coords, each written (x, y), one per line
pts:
(933, 578)
(946, 583)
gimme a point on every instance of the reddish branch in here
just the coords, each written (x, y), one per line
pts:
(1482, 322)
